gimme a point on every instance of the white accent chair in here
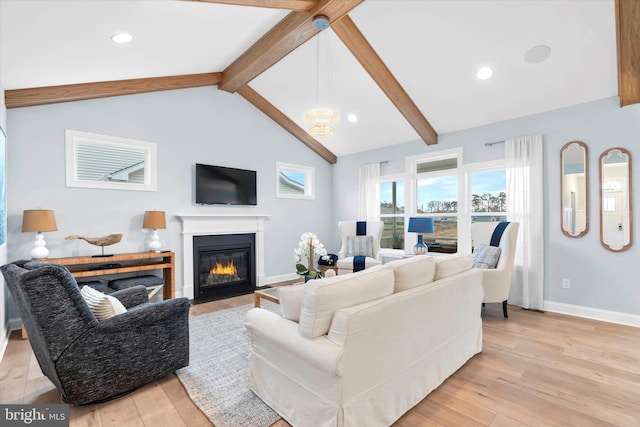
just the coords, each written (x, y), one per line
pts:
(345, 259)
(497, 281)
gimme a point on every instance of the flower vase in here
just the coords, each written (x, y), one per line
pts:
(310, 268)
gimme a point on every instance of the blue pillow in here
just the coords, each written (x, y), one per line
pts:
(485, 256)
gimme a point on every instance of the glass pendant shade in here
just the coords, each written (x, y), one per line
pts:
(321, 131)
(321, 119)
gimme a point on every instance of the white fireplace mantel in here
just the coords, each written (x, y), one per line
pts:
(212, 224)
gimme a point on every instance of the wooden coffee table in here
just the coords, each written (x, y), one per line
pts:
(270, 294)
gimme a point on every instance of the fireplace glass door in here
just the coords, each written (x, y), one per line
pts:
(224, 266)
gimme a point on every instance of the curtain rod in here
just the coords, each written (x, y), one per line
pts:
(489, 144)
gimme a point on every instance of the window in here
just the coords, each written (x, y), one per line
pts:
(439, 185)
(294, 181)
(437, 188)
(488, 195)
(109, 162)
(392, 214)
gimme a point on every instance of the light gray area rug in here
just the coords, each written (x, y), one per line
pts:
(217, 378)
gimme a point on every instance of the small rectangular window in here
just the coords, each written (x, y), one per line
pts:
(437, 165)
(294, 181)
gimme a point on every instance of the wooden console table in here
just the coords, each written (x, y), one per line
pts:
(88, 266)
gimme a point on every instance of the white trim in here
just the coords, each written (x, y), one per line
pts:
(393, 177)
(4, 344)
(212, 224)
(15, 324)
(281, 278)
(620, 318)
(309, 181)
(148, 149)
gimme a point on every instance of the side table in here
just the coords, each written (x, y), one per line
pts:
(270, 294)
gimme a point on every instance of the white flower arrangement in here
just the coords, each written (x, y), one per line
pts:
(308, 246)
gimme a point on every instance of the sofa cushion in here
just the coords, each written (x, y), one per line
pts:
(412, 272)
(291, 301)
(323, 297)
(103, 306)
(360, 246)
(485, 256)
(449, 265)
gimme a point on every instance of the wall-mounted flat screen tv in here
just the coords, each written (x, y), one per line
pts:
(218, 185)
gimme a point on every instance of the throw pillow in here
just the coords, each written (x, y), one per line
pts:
(103, 306)
(485, 256)
(448, 266)
(412, 272)
(360, 246)
(322, 298)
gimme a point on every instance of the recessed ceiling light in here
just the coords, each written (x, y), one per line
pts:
(352, 118)
(484, 73)
(537, 54)
(121, 38)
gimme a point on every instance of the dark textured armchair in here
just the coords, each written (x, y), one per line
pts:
(90, 360)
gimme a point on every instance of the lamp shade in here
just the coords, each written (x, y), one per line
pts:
(38, 220)
(421, 225)
(154, 220)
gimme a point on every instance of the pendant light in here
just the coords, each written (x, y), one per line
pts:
(321, 119)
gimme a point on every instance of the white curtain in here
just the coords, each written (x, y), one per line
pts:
(524, 205)
(369, 203)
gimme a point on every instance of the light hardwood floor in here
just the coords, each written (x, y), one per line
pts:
(536, 369)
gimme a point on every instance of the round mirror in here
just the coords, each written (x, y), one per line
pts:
(574, 189)
(616, 232)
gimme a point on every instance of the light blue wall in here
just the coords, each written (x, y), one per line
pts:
(192, 125)
(214, 127)
(599, 278)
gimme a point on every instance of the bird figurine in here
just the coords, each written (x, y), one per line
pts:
(98, 241)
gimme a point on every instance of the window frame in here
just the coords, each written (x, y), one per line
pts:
(463, 215)
(386, 179)
(309, 181)
(469, 170)
(411, 196)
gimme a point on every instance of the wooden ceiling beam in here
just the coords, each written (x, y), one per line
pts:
(77, 92)
(628, 41)
(360, 48)
(289, 125)
(282, 39)
(299, 5)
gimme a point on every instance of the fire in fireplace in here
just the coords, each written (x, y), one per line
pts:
(224, 266)
(223, 273)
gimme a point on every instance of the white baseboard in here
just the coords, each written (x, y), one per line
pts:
(4, 343)
(15, 324)
(593, 313)
(281, 278)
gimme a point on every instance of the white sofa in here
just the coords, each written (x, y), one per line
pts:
(362, 349)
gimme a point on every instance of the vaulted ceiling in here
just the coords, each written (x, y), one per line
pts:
(407, 69)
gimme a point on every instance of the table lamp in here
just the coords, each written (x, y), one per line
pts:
(39, 220)
(154, 220)
(420, 225)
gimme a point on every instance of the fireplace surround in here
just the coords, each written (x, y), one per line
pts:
(220, 224)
